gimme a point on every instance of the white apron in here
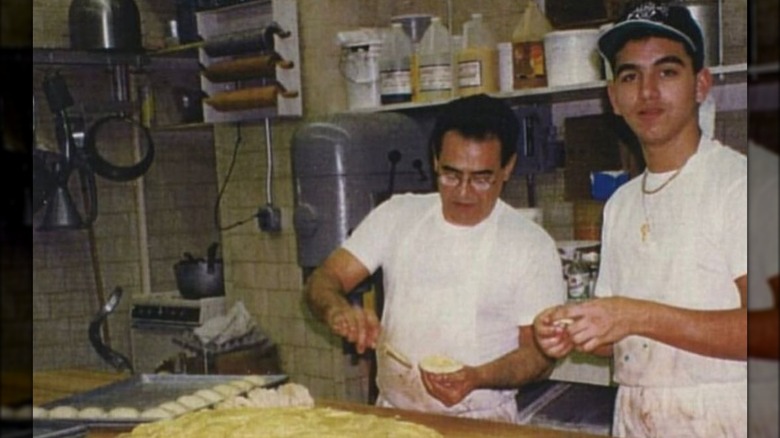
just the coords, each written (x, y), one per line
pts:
(419, 322)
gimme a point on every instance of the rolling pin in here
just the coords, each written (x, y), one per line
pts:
(244, 41)
(261, 66)
(248, 98)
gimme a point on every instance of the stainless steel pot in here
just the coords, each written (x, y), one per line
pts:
(198, 278)
(104, 24)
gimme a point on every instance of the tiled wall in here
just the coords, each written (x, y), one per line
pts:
(261, 268)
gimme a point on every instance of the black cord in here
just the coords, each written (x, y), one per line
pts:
(224, 185)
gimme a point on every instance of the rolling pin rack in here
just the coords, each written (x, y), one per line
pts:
(250, 61)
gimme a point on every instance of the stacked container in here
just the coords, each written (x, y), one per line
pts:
(478, 59)
(395, 66)
(435, 63)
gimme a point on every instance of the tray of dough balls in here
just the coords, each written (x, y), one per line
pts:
(150, 397)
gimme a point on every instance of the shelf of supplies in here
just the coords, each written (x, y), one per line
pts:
(722, 74)
(65, 56)
(200, 126)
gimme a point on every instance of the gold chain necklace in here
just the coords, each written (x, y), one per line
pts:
(644, 229)
(658, 189)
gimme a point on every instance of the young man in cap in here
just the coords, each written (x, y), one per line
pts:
(672, 286)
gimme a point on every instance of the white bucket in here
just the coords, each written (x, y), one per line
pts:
(359, 65)
(571, 57)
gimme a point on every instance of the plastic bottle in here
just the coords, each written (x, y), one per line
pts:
(528, 48)
(395, 82)
(478, 59)
(435, 63)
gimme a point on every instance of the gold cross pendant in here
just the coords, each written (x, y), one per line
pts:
(645, 230)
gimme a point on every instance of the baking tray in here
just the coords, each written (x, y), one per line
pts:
(143, 391)
(57, 429)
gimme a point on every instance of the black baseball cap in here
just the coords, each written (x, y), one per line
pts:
(653, 18)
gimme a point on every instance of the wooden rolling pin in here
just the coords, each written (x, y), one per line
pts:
(261, 66)
(248, 98)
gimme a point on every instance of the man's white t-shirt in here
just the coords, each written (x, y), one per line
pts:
(460, 291)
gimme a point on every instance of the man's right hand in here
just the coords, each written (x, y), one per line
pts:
(551, 336)
(357, 325)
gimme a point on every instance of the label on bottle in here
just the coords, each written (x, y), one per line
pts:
(395, 82)
(435, 77)
(528, 64)
(477, 71)
(470, 73)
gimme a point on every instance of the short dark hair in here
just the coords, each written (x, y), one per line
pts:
(659, 18)
(479, 117)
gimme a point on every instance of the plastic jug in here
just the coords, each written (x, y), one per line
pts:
(395, 83)
(478, 59)
(435, 63)
(528, 48)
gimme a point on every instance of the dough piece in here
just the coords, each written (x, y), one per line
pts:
(39, 412)
(439, 364)
(124, 412)
(92, 412)
(263, 397)
(192, 402)
(173, 407)
(209, 395)
(226, 390)
(63, 412)
(295, 422)
(256, 380)
(242, 385)
(295, 394)
(157, 413)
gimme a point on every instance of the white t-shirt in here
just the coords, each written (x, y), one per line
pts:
(695, 248)
(493, 277)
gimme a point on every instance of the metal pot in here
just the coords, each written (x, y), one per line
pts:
(105, 25)
(198, 278)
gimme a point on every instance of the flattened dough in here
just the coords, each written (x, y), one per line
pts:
(209, 395)
(63, 412)
(124, 412)
(226, 390)
(92, 412)
(174, 408)
(440, 364)
(192, 402)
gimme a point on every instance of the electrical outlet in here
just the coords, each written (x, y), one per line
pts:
(269, 218)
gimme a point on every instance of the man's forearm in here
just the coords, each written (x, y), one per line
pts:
(516, 368)
(323, 293)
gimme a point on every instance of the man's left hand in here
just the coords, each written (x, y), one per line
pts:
(450, 388)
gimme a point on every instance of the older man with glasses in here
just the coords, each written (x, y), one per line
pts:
(464, 276)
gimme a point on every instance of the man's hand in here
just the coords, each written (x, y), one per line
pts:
(550, 333)
(357, 325)
(598, 322)
(450, 388)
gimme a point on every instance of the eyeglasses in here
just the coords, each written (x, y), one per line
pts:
(479, 182)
